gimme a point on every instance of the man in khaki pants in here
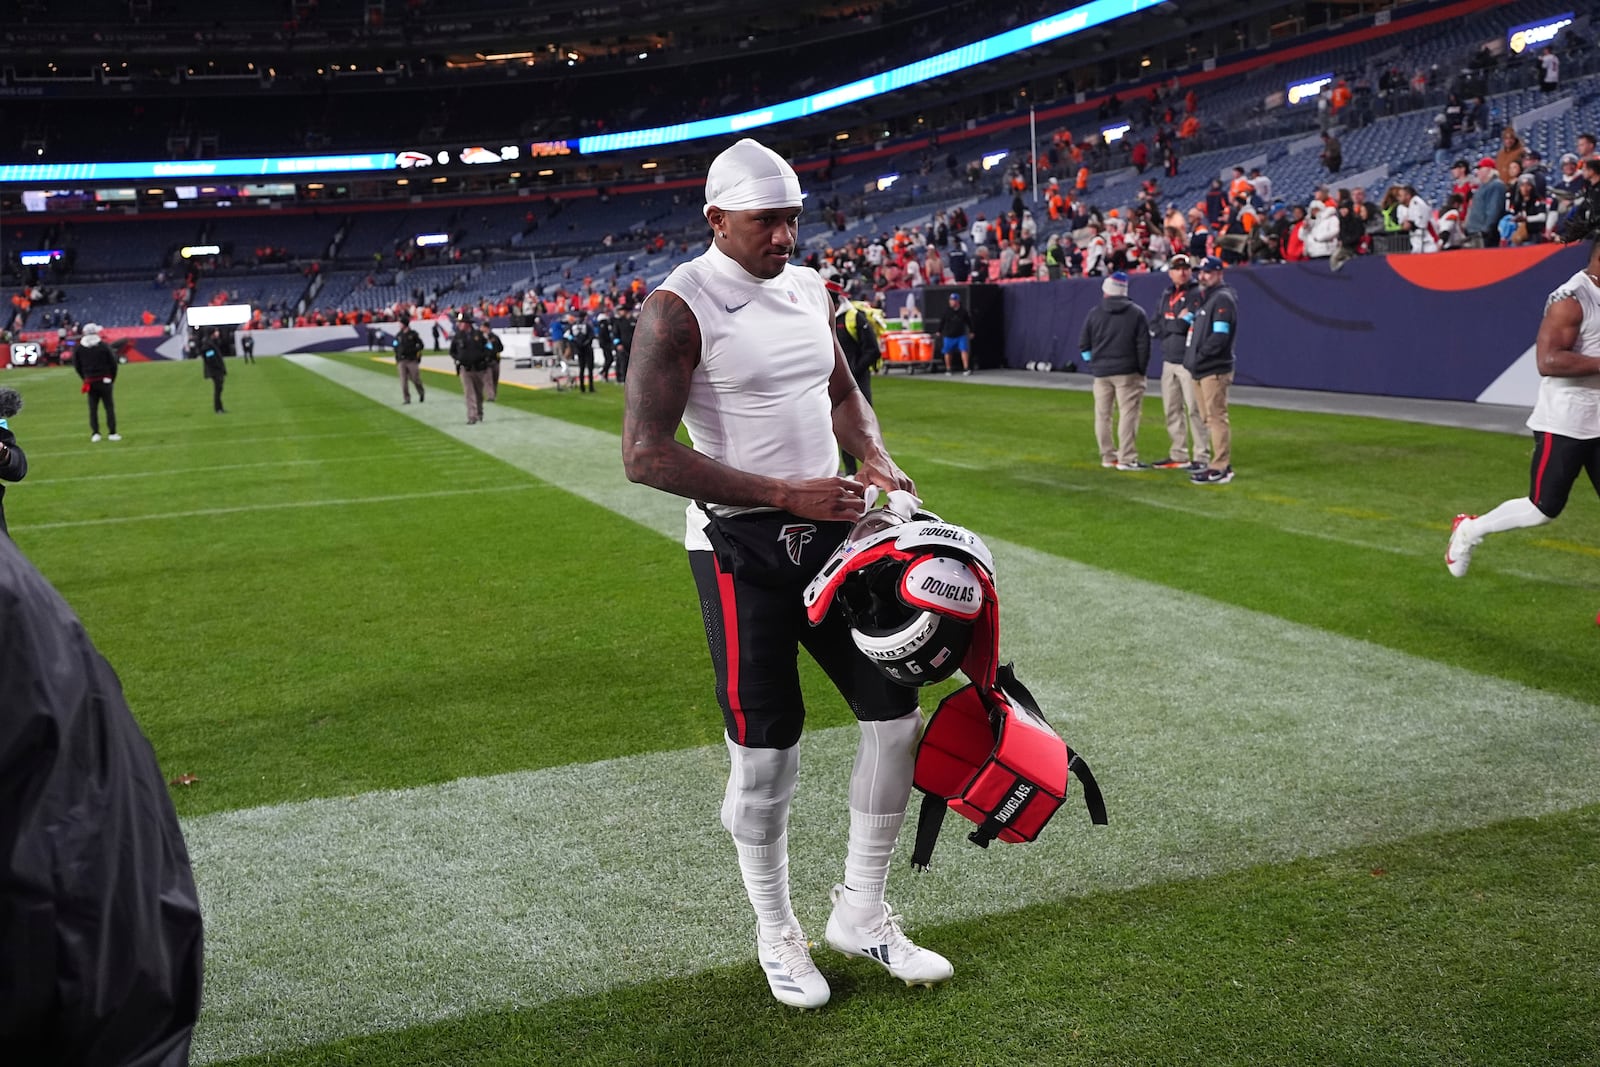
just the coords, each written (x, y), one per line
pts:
(1179, 401)
(1209, 358)
(1115, 343)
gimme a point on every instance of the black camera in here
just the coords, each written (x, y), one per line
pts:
(1583, 220)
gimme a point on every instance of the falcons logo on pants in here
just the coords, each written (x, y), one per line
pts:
(795, 536)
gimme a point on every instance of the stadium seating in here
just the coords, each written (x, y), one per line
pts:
(602, 237)
(107, 303)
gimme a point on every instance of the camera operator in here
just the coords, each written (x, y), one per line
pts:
(1584, 218)
(13, 461)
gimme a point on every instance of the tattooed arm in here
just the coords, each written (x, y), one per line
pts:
(666, 349)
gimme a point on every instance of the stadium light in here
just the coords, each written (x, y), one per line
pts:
(1532, 34)
(1051, 28)
(218, 315)
(1299, 92)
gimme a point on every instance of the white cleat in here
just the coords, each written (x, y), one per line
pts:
(794, 979)
(878, 937)
(116, 437)
(94, 437)
(1459, 555)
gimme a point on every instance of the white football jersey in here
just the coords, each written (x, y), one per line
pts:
(1571, 406)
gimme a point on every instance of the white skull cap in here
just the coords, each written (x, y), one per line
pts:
(750, 176)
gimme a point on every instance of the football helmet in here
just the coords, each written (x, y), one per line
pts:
(917, 592)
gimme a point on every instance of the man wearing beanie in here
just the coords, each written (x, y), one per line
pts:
(96, 364)
(738, 344)
(1115, 343)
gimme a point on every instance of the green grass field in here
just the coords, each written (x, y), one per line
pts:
(458, 759)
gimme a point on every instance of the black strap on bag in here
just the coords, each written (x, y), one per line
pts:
(1008, 682)
(930, 820)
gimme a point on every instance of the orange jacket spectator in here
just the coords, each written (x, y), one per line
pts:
(1190, 127)
(1511, 151)
(1340, 96)
(1083, 180)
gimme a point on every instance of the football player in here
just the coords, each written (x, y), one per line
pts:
(738, 344)
(1566, 418)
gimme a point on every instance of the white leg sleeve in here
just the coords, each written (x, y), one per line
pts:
(755, 810)
(880, 786)
(1512, 515)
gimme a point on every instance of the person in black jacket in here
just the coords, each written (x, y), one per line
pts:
(247, 347)
(98, 911)
(96, 364)
(494, 349)
(605, 331)
(1352, 231)
(859, 341)
(955, 333)
(580, 335)
(1179, 401)
(1209, 358)
(408, 357)
(624, 344)
(212, 366)
(1115, 343)
(472, 366)
(13, 461)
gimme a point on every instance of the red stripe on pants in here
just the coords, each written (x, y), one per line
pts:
(730, 637)
(1538, 477)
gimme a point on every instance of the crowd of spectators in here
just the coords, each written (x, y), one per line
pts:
(1068, 229)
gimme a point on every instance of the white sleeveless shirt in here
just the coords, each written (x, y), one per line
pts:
(1571, 406)
(758, 401)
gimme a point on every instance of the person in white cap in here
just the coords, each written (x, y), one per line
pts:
(96, 364)
(738, 344)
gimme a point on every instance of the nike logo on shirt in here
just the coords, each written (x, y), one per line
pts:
(731, 310)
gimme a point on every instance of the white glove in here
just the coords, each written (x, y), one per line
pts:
(903, 503)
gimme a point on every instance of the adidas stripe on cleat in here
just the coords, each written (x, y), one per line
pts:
(793, 978)
(875, 934)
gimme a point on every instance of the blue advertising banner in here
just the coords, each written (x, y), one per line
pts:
(1445, 326)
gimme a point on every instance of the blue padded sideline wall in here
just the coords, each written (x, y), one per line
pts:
(1442, 327)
